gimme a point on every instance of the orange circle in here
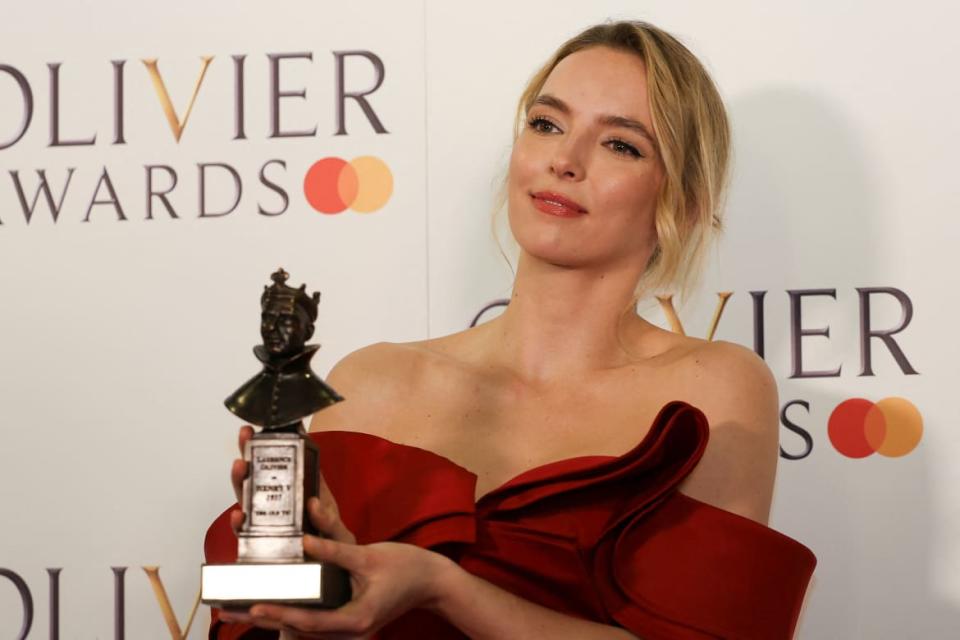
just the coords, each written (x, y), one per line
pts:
(906, 427)
(376, 184)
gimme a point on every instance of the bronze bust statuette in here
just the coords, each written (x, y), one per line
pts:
(286, 390)
(283, 466)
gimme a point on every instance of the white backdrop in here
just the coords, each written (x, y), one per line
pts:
(120, 338)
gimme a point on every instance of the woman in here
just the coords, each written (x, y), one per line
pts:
(548, 474)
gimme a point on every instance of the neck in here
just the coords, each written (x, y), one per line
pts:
(564, 322)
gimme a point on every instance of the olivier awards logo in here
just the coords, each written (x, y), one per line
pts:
(88, 193)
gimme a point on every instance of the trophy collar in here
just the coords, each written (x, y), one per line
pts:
(284, 363)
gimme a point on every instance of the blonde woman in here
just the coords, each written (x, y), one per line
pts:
(566, 470)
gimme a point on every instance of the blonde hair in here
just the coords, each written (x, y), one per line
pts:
(693, 135)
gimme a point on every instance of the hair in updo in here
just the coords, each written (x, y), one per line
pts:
(693, 136)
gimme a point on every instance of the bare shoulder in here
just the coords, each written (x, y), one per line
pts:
(377, 363)
(391, 389)
(373, 380)
(736, 391)
(733, 383)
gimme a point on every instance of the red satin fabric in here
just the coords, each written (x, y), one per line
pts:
(603, 538)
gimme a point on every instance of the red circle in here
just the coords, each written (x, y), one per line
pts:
(846, 428)
(320, 185)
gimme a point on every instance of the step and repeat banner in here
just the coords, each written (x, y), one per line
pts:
(157, 163)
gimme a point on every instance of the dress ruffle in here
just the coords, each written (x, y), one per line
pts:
(604, 538)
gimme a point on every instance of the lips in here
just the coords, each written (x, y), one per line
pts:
(556, 204)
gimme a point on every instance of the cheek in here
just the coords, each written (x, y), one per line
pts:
(632, 192)
(635, 196)
(520, 177)
(631, 199)
(521, 167)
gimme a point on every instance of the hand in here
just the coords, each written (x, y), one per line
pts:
(323, 512)
(388, 579)
(238, 473)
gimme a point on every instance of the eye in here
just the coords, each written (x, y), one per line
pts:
(542, 125)
(623, 148)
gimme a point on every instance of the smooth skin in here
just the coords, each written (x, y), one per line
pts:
(549, 379)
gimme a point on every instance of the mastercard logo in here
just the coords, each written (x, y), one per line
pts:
(891, 427)
(333, 185)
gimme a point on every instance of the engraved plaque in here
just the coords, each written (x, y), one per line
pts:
(273, 473)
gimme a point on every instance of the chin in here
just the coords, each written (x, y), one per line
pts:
(552, 253)
(547, 244)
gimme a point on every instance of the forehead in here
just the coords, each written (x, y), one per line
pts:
(602, 80)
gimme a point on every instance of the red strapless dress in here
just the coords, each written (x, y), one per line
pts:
(608, 539)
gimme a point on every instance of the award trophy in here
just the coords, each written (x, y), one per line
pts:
(282, 467)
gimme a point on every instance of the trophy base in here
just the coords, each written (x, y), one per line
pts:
(304, 584)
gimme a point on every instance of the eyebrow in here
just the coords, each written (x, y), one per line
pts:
(549, 100)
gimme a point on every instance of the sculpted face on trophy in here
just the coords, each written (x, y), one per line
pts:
(286, 322)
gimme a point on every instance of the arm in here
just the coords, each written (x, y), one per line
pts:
(736, 391)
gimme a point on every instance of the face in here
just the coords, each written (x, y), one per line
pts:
(585, 172)
(283, 333)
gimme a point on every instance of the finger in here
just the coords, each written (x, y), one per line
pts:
(245, 433)
(238, 473)
(326, 518)
(345, 620)
(236, 520)
(241, 616)
(246, 618)
(334, 623)
(268, 620)
(351, 557)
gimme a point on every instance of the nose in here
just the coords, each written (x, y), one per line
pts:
(566, 162)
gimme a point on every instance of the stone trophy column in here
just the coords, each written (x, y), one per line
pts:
(283, 466)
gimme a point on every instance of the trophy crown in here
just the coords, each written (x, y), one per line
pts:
(281, 297)
(280, 276)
